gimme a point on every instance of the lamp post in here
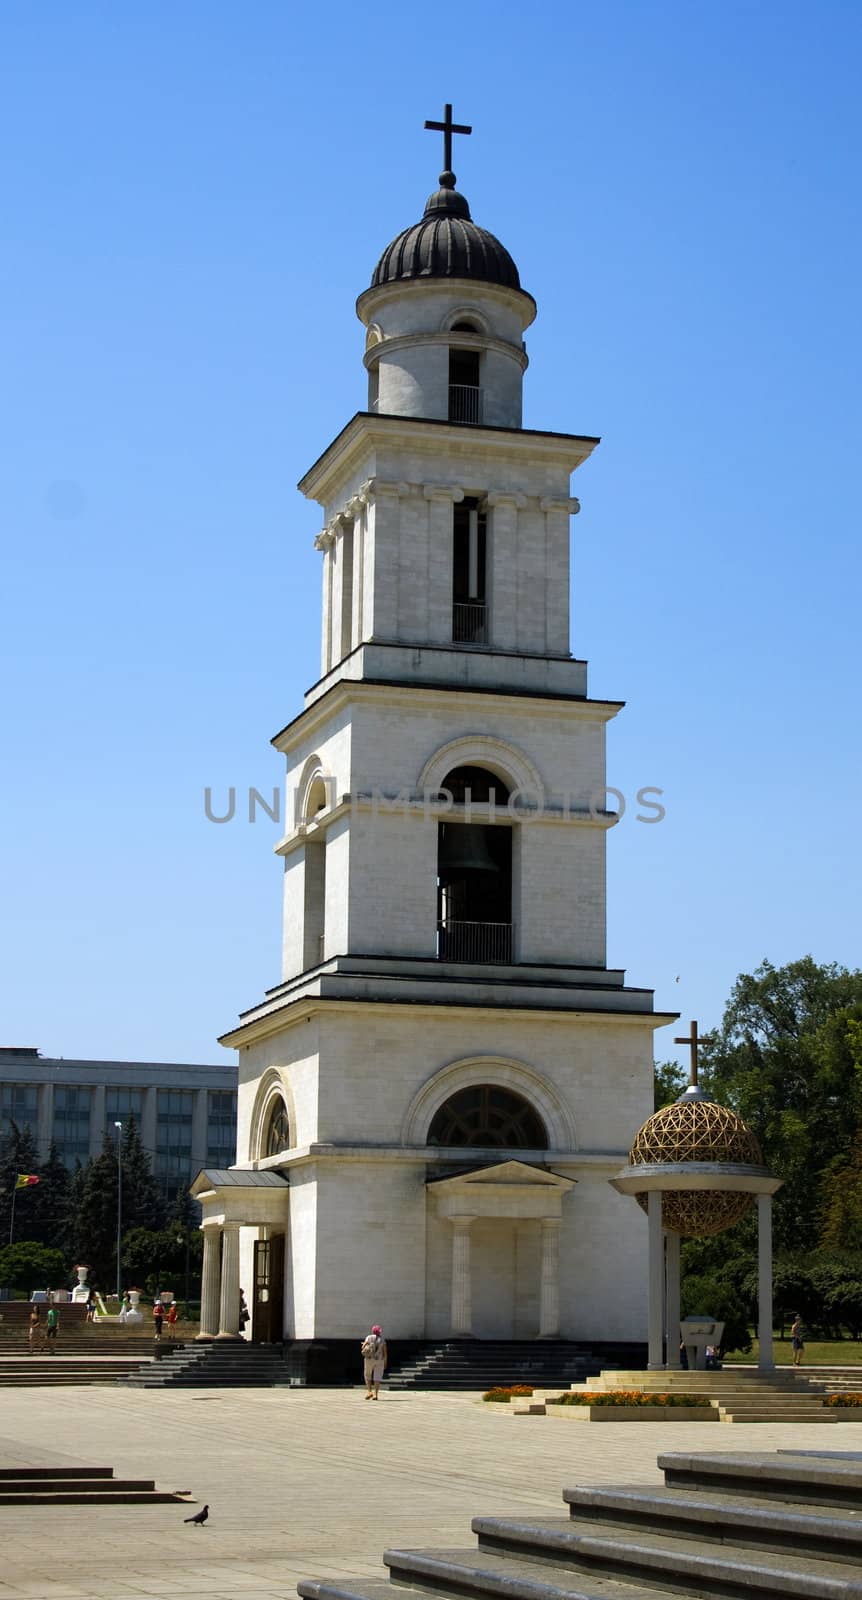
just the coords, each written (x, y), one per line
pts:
(119, 1127)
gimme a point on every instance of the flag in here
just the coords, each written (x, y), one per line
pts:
(25, 1179)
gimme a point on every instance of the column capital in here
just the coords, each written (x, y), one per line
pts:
(379, 486)
(501, 497)
(324, 540)
(572, 506)
(442, 491)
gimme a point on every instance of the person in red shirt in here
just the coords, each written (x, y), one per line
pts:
(172, 1318)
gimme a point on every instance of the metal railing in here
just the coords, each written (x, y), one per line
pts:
(465, 402)
(474, 941)
(469, 622)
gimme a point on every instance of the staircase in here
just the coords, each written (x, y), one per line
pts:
(224, 1363)
(741, 1396)
(75, 1486)
(77, 1336)
(53, 1371)
(483, 1363)
(763, 1526)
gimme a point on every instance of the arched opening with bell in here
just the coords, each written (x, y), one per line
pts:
(474, 871)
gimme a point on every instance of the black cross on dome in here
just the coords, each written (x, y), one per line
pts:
(447, 127)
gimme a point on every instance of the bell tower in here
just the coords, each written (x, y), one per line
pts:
(445, 1010)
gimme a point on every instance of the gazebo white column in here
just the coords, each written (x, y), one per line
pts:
(549, 1290)
(229, 1307)
(672, 1245)
(764, 1282)
(462, 1282)
(210, 1282)
(655, 1321)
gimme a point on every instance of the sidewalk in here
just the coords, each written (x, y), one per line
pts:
(291, 1475)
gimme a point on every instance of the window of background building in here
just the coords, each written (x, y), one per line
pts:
(121, 1104)
(173, 1164)
(72, 1122)
(221, 1128)
(19, 1103)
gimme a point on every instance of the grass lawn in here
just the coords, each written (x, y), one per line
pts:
(817, 1352)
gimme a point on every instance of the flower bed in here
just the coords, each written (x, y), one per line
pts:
(516, 1391)
(630, 1397)
(840, 1401)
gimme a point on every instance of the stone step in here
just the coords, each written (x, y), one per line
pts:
(39, 1474)
(757, 1523)
(485, 1575)
(686, 1565)
(14, 1488)
(92, 1497)
(812, 1480)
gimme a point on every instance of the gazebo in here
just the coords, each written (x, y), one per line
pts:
(695, 1168)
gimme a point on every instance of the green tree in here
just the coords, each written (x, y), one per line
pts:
(786, 1058)
(95, 1221)
(668, 1083)
(29, 1265)
(142, 1201)
(50, 1211)
(17, 1154)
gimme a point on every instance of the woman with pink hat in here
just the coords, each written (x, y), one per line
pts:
(373, 1361)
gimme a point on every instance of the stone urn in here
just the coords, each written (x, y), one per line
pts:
(134, 1317)
(81, 1290)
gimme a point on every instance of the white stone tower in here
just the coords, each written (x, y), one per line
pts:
(434, 1096)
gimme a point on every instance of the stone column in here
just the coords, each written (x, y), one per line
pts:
(442, 499)
(655, 1280)
(503, 568)
(229, 1304)
(462, 1284)
(672, 1244)
(210, 1283)
(549, 1291)
(764, 1281)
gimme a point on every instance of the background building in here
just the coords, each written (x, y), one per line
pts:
(186, 1113)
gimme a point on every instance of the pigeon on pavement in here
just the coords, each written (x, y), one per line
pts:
(201, 1517)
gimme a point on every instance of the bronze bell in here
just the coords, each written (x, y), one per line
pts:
(464, 848)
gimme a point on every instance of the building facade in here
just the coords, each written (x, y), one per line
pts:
(433, 1099)
(186, 1114)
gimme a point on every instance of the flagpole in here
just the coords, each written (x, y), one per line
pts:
(12, 1213)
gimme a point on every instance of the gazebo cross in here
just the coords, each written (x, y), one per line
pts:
(692, 1041)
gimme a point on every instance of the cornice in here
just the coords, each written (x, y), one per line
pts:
(290, 1013)
(348, 690)
(368, 430)
(389, 345)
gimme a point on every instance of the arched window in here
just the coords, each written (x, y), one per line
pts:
(480, 781)
(486, 1115)
(474, 874)
(464, 327)
(277, 1136)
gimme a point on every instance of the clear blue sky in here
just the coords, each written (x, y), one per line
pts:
(192, 198)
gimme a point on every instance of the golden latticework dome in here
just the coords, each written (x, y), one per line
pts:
(697, 1129)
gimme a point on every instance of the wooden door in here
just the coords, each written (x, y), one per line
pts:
(267, 1306)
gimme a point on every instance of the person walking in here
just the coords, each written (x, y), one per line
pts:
(172, 1318)
(34, 1335)
(374, 1359)
(158, 1318)
(797, 1339)
(52, 1327)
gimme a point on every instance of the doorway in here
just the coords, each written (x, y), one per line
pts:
(268, 1290)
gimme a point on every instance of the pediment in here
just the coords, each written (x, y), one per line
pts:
(520, 1174)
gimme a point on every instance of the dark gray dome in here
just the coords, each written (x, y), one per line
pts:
(446, 244)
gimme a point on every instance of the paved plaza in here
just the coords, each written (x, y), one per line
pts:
(303, 1483)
